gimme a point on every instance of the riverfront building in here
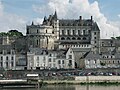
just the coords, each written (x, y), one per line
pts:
(61, 44)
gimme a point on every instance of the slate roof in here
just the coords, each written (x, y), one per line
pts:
(5, 47)
(92, 55)
(38, 51)
(73, 22)
(81, 49)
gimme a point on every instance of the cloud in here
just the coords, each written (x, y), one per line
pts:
(1, 9)
(11, 21)
(75, 8)
(38, 21)
(119, 15)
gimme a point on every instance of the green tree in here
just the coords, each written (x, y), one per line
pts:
(118, 37)
(14, 33)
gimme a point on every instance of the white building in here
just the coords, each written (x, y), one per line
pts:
(50, 59)
(37, 59)
(7, 57)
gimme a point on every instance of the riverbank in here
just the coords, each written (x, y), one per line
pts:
(87, 80)
(82, 80)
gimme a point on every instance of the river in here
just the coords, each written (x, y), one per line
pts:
(71, 87)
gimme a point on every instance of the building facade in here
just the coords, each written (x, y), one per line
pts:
(50, 59)
(7, 57)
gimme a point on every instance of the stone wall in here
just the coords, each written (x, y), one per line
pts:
(98, 78)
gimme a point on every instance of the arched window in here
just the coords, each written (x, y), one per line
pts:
(73, 38)
(62, 38)
(84, 38)
(78, 38)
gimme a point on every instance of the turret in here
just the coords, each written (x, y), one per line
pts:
(55, 15)
(32, 23)
(45, 20)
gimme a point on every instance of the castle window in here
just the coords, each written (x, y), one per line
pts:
(94, 37)
(12, 58)
(79, 32)
(84, 38)
(63, 32)
(68, 32)
(37, 31)
(74, 32)
(7, 58)
(78, 38)
(83, 32)
(37, 42)
(46, 30)
(94, 33)
(89, 31)
(73, 38)
(62, 38)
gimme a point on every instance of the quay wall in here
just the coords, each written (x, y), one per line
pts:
(76, 80)
(97, 78)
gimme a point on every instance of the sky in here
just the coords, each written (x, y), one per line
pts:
(16, 14)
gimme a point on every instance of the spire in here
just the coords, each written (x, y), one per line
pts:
(45, 19)
(32, 23)
(55, 15)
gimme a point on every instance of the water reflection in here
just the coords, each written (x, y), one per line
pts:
(71, 87)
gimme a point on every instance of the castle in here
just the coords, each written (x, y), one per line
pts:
(56, 33)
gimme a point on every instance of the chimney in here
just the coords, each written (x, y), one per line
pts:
(91, 18)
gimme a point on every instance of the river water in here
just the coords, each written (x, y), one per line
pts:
(70, 87)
